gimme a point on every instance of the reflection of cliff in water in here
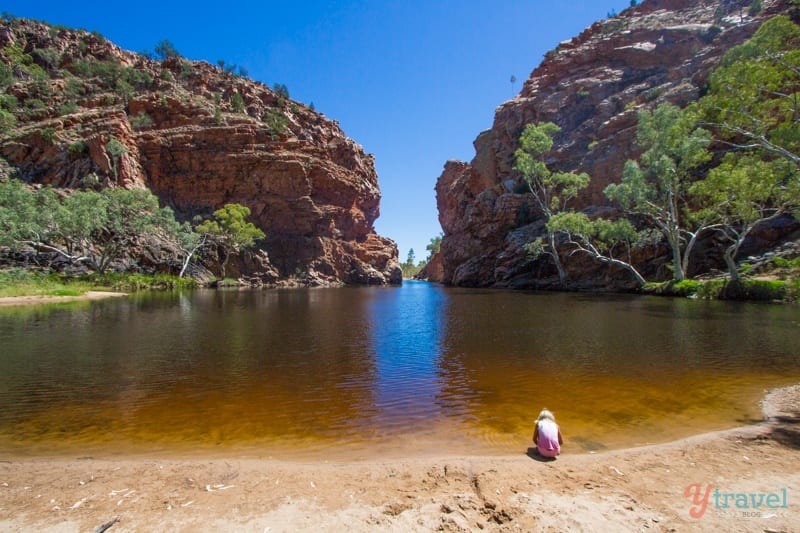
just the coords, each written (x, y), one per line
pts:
(383, 369)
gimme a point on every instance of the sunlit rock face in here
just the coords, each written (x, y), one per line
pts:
(200, 137)
(592, 86)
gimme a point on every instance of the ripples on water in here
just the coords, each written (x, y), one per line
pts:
(375, 370)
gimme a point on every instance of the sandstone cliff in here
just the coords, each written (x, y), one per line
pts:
(198, 137)
(591, 86)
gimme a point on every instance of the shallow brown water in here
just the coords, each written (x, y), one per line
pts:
(373, 371)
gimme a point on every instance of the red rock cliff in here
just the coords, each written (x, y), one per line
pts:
(591, 86)
(198, 137)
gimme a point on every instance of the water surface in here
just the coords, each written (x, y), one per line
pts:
(370, 371)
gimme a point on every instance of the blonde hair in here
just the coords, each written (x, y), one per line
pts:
(545, 415)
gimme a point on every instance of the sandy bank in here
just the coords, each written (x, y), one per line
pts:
(28, 300)
(652, 488)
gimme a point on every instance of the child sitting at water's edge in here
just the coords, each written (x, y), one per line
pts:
(547, 435)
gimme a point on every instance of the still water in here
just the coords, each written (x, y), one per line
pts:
(375, 371)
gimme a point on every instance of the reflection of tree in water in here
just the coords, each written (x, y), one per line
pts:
(228, 367)
(610, 367)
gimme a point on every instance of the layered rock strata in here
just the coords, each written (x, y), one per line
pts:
(198, 137)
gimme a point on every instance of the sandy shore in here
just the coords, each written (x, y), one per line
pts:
(28, 300)
(652, 488)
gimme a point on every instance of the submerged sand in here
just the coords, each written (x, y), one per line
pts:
(752, 470)
(29, 300)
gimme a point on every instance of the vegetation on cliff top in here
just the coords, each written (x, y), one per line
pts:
(66, 71)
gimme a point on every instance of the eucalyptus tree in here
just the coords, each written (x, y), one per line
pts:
(551, 191)
(753, 98)
(656, 187)
(602, 239)
(744, 192)
(230, 231)
(753, 107)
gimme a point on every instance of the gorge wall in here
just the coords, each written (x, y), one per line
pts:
(198, 136)
(592, 86)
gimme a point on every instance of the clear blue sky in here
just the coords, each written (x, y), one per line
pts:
(412, 81)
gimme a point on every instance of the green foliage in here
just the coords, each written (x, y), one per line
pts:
(88, 227)
(7, 121)
(231, 231)
(134, 281)
(753, 99)
(67, 108)
(34, 108)
(113, 76)
(24, 64)
(744, 189)
(719, 289)
(21, 282)
(49, 58)
(141, 121)
(78, 148)
(237, 103)
(410, 268)
(74, 88)
(685, 288)
(783, 262)
(187, 70)
(600, 238)
(755, 8)
(48, 134)
(433, 247)
(751, 289)
(752, 105)
(276, 121)
(281, 90)
(656, 187)
(165, 50)
(166, 75)
(115, 150)
(6, 75)
(551, 191)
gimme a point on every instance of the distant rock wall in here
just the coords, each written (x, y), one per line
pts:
(199, 138)
(592, 86)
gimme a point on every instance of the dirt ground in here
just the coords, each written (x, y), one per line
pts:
(745, 479)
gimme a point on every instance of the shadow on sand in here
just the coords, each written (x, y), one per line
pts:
(533, 453)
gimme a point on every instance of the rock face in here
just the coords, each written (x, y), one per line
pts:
(591, 86)
(198, 137)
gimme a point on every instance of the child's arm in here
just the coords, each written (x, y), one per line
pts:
(536, 434)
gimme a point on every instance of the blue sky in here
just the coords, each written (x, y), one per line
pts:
(412, 81)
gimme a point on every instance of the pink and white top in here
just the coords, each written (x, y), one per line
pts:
(548, 438)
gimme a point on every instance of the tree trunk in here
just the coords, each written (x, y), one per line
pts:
(675, 243)
(562, 275)
(225, 262)
(630, 268)
(730, 262)
(189, 256)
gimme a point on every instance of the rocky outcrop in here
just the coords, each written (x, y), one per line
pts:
(591, 86)
(198, 137)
